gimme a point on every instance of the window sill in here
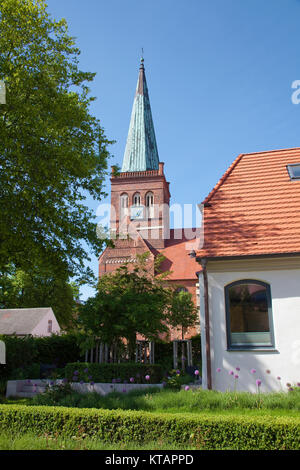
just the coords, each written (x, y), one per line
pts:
(242, 349)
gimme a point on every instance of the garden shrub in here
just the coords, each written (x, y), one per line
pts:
(176, 379)
(58, 350)
(106, 373)
(31, 371)
(21, 353)
(204, 432)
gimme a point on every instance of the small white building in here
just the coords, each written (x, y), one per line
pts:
(250, 277)
(28, 321)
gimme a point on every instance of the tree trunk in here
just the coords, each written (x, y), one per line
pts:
(131, 347)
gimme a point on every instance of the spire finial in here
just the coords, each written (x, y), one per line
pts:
(142, 59)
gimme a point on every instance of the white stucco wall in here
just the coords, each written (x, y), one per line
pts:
(42, 328)
(283, 275)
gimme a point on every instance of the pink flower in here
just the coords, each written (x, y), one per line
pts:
(253, 371)
(258, 382)
(147, 377)
(238, 369)
(278, 378)
(218, 369)
(236, 376)
(196, 372)
(231, 372)
(186, 388)
(131, 379)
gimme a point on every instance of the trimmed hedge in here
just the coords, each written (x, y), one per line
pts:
(105, 373)
(23, 352)
(205, 432)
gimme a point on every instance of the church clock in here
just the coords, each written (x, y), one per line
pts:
(137, 212)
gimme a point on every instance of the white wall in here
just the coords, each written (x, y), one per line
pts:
(42, 328)
(283, 275)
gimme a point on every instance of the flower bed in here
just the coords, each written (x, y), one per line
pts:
(114, 373)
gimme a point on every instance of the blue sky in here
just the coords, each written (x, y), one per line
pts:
(219, 74)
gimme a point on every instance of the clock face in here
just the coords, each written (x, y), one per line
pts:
(137, 212)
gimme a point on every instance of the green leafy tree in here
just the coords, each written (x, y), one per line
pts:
(37, 289)
(53, 152)
(182, 312)
(129, 301)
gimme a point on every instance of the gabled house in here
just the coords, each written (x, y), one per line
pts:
(250, 274)
(28, 321)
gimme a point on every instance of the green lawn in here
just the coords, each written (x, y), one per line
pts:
(55, 442)
(169, 401)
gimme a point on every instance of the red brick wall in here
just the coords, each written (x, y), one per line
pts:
(147, 181)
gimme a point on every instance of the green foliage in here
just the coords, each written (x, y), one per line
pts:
(197, 401)
(164, 353)
(20, 352)
(53, 441)
(205, 432)
(196, 347)
(23, 353)
(182, 311)
(54, 393)
(128, 302)
(31, 371)
(132, 400)
(58, 349)
(176, 379)
(53, 151)
(2, 388)
(39, 288)
(105, 373)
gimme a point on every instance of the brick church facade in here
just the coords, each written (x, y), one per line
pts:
(140, 202)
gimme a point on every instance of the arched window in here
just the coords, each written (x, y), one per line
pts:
(181, 289)
(124, 204)
(150, 205)
(249, 315)
(124, 200)
(137, 199)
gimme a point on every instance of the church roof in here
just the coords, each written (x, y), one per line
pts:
(141, 149)
(176, 252)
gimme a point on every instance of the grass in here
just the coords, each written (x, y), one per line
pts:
(55, 442)
(169, 401)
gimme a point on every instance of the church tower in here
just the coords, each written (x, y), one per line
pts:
(139, 192)
(140, 200)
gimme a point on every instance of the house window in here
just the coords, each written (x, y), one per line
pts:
(249, 315)
(49, 326)
(294, 171)
(150, 205)
(137, 199)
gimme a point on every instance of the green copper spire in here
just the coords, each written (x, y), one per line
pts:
(141, 150)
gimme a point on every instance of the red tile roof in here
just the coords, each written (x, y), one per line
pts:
(178, 261)
(255, 207)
